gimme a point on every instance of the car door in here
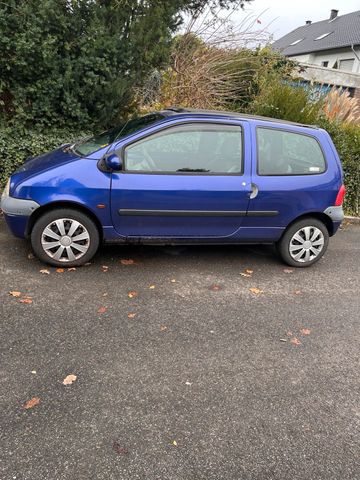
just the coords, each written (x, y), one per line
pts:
(187, 179)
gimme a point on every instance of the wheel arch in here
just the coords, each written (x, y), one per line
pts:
(325, 219)
(62, 204)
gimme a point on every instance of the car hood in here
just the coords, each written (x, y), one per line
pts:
(47, 161)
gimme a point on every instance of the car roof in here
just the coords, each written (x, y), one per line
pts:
(221, 113)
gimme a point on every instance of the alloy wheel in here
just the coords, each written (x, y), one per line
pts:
(306, 244)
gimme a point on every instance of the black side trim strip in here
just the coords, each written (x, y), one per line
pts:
(262, 213)
(183, 213)
(197, 213)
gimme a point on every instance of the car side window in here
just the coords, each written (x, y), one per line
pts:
(282, 152)
(197, 148)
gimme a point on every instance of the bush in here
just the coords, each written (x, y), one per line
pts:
(347, 141)
(279, 99)
(15, 147)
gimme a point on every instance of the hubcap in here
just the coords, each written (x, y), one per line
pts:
(65, 240)
(306, 244)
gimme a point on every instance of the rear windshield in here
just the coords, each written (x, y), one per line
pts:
(92, 144)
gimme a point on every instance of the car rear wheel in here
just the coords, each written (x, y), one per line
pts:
(65, 238)
(304, 243)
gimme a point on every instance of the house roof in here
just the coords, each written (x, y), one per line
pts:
(343, 31)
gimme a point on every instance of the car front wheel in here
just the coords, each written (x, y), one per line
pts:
(65, 238)
(304, 243)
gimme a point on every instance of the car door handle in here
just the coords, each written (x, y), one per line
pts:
(254, 191)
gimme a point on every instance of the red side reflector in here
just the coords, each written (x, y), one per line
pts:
(340, 196)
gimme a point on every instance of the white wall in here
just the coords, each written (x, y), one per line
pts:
(331, 56)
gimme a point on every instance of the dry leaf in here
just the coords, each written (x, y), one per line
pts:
(289, 334)
(173, 280)
(72, 269)
(60, 270)
(163, 328)
(45, 271)
(15, 294)
(31, 403)
(245, 274)
(295, 341)
(127, 261)
(215, 288)
(69, 379)
(132, 294)
(288, 270)
(283, 339)
(33, 372)
(297, 292)
(26, 300)
(305, 331)
(174, 443)
(249, 272)
(152, 287)
(105, 268)
(255, 290)
(102, 310)
(105, 294)
(131, 315)
(120, 450)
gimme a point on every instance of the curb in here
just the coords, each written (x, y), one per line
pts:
(350, 219)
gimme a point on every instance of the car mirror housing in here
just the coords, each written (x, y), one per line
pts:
(113, 162)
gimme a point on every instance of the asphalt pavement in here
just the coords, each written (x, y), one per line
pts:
(191, 363)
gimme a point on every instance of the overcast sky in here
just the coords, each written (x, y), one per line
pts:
(286, 15)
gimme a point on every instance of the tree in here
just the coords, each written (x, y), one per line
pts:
(76, 62)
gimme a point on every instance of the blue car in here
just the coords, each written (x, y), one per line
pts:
(181, 176)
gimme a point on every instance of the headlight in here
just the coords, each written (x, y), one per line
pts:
(6, 191)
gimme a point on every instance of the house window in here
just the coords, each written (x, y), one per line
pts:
(296, 42)
(346, 64)
(323, 36)
(325, 64)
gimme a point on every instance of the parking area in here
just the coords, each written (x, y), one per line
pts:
(191, 363)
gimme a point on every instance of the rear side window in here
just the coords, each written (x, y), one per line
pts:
(288, 153)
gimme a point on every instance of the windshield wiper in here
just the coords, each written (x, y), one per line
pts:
(192, 170)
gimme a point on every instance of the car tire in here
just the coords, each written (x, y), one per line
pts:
(303, 243)
(65, 237)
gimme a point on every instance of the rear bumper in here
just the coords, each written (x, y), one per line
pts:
(336, 215)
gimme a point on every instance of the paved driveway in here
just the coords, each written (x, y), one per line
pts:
(206, 380)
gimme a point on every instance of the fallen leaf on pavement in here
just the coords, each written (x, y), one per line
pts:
(152, 287)
(127, 261)
(288, 270)
(60, 270)
(132, 294)
(163, 328)
(31, 403)
(289, 334)
(255, 290)
(215, 288)
(72, 269)
(295, 341)
(45, 271)
(26, 300)
(15, 294)
(102, 310)
(69, 379)
(119, 449)
(188, 383)
(283, 339)
(105, 268)
(173, 280)
(174, 442)
(33, 372)
(131, 315)
(297, 292)
(305, 331)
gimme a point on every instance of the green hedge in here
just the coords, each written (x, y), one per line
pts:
(347, 141)
(16, 146)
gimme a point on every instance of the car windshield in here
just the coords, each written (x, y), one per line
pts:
(92, 144)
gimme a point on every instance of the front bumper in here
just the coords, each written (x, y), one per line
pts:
(16, 213)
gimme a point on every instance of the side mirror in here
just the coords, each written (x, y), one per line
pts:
(113, 162)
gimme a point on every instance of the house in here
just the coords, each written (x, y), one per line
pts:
(328, 51)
